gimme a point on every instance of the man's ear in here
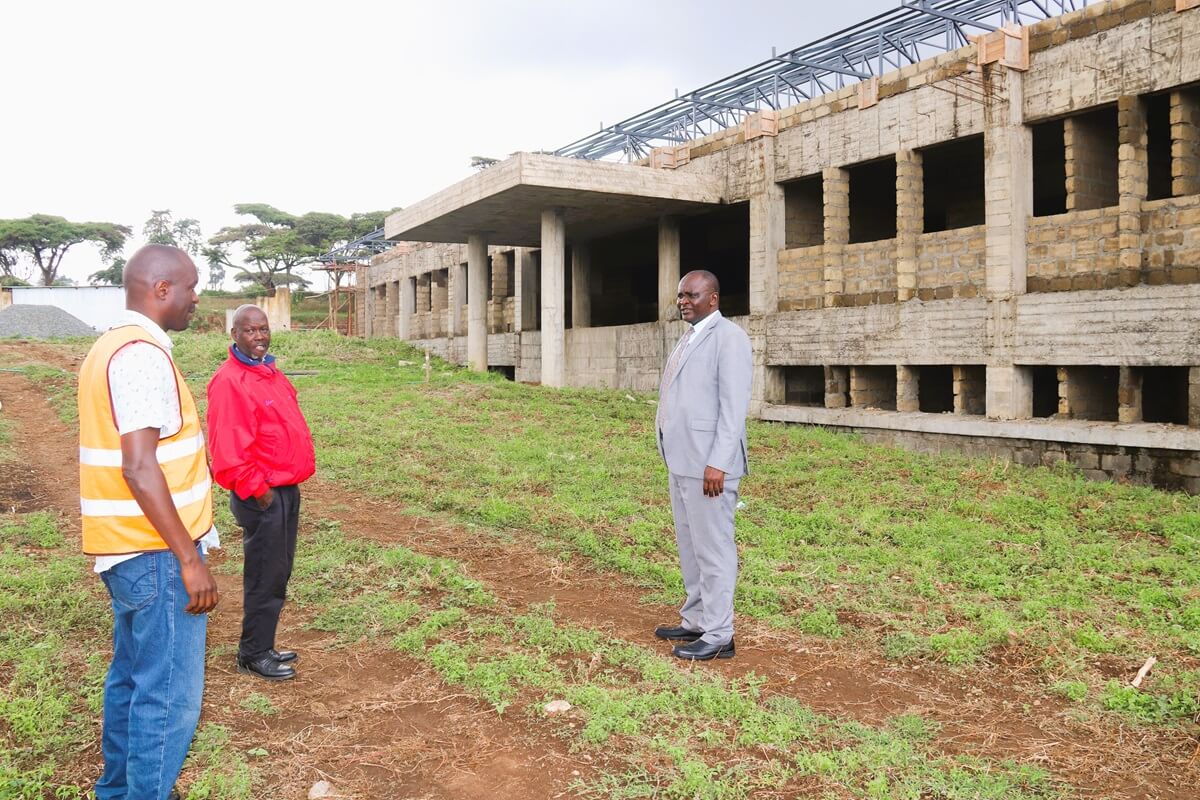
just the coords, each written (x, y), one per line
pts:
(161, 288)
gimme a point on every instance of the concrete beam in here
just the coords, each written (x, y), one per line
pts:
(1049, 430)
(507, 200)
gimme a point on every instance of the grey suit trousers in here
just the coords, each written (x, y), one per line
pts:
(707, 555)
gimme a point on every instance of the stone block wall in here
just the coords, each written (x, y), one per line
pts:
(801, 278)
(869, 274)
(1171, 242)
(1076, 250)
(951, 263)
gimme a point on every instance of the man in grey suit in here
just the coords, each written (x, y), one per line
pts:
(701, 431)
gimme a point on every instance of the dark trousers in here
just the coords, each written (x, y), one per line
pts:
(269, 546)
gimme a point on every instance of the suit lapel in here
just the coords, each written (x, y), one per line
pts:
(694, 346)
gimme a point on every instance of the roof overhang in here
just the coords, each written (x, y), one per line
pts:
(505, 202)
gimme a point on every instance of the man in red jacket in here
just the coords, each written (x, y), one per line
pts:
(261, 451)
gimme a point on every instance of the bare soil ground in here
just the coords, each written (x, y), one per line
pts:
(366, 718)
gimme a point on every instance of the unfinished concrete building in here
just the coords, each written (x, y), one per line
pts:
(994, 250)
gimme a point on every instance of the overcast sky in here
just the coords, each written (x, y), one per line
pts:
(112, 109)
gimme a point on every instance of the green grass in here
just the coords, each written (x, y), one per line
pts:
(913, 556)
(918, 556)
(53, 632)
(665, 731)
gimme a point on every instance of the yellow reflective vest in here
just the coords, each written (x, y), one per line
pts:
(113, 522)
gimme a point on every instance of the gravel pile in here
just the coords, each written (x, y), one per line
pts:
(41, 322)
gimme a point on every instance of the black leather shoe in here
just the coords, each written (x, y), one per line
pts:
(265, 667)
(283, 656)
(678, 633)
(703, 651)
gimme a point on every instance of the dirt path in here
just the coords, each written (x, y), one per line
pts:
(993, 711)
(366, 718)
(360, 718)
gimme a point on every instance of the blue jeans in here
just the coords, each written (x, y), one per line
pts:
(152, 694)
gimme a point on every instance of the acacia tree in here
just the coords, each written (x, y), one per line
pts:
(46, 239)
(185, 234)
(279, 242)
(11, 271)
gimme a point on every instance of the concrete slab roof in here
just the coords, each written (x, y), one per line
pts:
(505, 202)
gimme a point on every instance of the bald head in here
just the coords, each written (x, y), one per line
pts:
(251, 331)
(710, 282)
(160, 282)
(248, 314)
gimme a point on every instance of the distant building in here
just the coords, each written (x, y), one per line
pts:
(995, 250)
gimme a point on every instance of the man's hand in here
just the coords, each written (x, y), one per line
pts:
(201, 588)
(265, 499)
(714, 482)
(140, 468)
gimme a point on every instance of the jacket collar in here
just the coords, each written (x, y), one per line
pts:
(267, 361)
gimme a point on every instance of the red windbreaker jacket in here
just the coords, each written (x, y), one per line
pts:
(256, 434)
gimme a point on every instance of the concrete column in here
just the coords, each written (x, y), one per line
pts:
(1129, 395)
(407, 303)
(525, 294)
(768, 230)
(1185, 143)
(581, 286)
(910, 220)
(969, 390)
(379, 315)
(908, 394)
(391, 304)
(368, 314)
(1009, 392)
(1133, 184)
(554, 254)
(477, 265)
(1064, 392)
(837, 387)
(835, 183)
(439, 301)
(424, 294)
(1194, 397)
(1008, 186)
(498, 307)
(669, 271)
(458, 301)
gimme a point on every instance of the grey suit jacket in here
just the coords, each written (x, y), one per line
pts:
(701, 418)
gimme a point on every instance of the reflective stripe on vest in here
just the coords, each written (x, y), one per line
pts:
(113, 522)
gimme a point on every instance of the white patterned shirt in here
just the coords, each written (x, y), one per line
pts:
(141, 382)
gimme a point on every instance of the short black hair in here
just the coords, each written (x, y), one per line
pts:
(713, 284)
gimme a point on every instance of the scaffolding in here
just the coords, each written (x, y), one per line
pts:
(340, 263)
(889, 41)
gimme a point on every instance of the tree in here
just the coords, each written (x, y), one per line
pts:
(279, 242)
(112, 275)
(46, 239)
(184, 234)
(11, 268)
(216, 274)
